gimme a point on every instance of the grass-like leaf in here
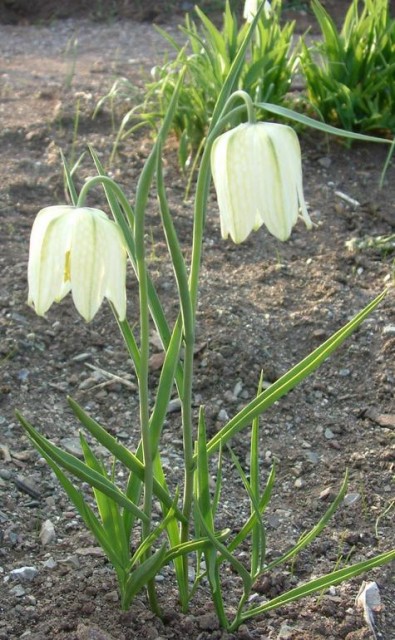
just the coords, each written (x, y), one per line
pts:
(320, 584)
(350, 74)
(79, 469)
(120, 452)
(290, 379)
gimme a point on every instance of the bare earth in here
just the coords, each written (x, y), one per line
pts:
(263, 306)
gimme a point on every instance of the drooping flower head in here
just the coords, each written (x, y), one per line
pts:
(257, 174)
(251, 7)
(76, 249)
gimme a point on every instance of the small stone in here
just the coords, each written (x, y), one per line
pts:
(286, 632)
(73, 446)
(81, 357)
(73, 561)
(298, 484)
(159, 578)
(47, 533)
(312, 457)
(238, 388)
(88, 383)
(208, 622)
(191, 574)
(23, 375)
(344, 373)
(31, 600)
(112, 596)
(123, 435)
(50, 563)
(92, 632)
(325, 493)
(174, 405)
(351, 498)
(325, 162)
(28, 485)
(389, 330)
(222, 415)
(18, 591)
(229, 397)
(328, 433)
(90, 551)
(24, 574)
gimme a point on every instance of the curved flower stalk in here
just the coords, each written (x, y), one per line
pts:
(257, 173)
(76, 249)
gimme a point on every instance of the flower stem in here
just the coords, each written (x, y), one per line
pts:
(249, 105)
(201, 197)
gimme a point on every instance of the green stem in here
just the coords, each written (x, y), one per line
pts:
(241, 95)
(188, 448)
(199, 217)
(188, 326)
(106, 182)
(201, 197)
(143, 378)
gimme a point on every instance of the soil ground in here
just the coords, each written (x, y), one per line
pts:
(263, 306)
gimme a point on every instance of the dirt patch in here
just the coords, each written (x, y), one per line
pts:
(263, 306)
(16, 11)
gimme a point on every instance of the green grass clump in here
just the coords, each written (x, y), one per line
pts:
(350, 74)
(207, 57)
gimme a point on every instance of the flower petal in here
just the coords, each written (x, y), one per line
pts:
(281, 216)
(49, 242)
(232, 166)
(115, 267)
(86, 262)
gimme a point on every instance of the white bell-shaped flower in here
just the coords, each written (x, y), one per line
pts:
(76, 249)
(251, 7)
(257, 173)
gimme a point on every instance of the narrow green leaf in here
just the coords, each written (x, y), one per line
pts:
(91, 521)
(309, 536)
(258, 539)
(258, 529)
(316, 124)
(290, 379)
(69, 180)
(252, 520)
(225, 554)
(203, 474)
(218, 484)
(148, 542)
(108, 509)
(121, 453)
(166, 383)
(192, 546)
(319, 584)
(155, 305)
(79, 469)
(142, 575)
